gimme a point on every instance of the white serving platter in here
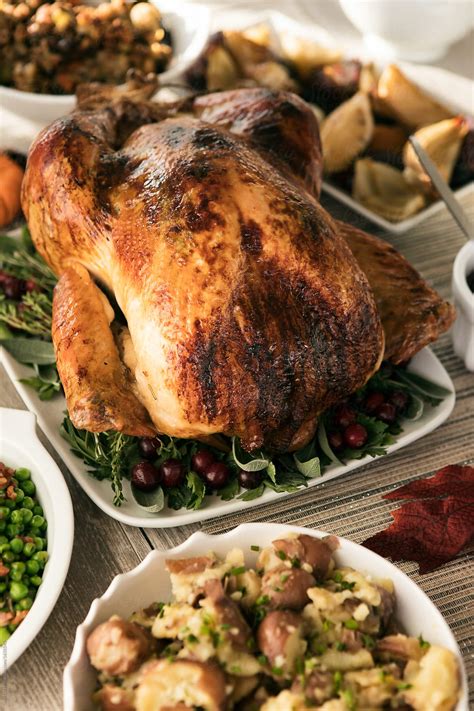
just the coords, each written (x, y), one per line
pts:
(50, 415)
(20, 447)
(149, 581)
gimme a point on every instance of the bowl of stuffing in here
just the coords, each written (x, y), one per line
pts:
(268, 617)
(49, 49)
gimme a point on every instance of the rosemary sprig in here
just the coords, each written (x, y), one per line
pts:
(34, 316)
(110, 455)
(20, 262)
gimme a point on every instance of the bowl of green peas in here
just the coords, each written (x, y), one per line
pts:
(36, 534)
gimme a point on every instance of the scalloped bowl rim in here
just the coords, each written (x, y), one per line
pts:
(18, 434)
(409, 594)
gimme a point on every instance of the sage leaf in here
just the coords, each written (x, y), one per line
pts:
(423, 386)
(415, 408)
(254, 465)
(151, 501)
(271, 472)
(310, 468)
(8, 245)
(30, 351)
(324, 444)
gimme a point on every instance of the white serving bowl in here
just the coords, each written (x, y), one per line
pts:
(463, 327)
(189, 27)
(149, 582)
(417, 30)
(20, 447)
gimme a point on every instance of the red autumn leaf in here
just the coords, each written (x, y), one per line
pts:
(429, 532)
(453, 480)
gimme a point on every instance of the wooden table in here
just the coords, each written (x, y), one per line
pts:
(351, 506)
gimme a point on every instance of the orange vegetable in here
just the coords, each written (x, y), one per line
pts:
(11, 176)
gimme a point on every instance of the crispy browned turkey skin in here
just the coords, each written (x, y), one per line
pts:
(247, 313)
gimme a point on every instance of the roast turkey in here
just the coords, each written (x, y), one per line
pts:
(202, 287)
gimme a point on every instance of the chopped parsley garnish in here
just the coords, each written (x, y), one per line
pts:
(351, 624)
(423, 643)
(237, 571)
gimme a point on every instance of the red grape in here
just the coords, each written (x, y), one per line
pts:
(387, 413)
(13, 288)
(373, 401)
(399, 399)
(145, 476)
(217, 475)
(171, 472)
(202, 460)
(355, 436)
(344, 416)
(335, 440)
(249, 480)
(148, 447)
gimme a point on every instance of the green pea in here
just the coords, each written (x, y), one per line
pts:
(5, 547)
(3, 525)
(41, 557)
(4, 635)
(38, 510)
(24, 604)
(34, 532)
(36, 580)
(28, 502)
(40, 543)
(13, 529)
(29, 549)
(27, 515)
(17, 545)
(32, 567)
(20, 495)
(3, 539)
(16, 516)
(18, 591)
(17, 571)
(8, 557)
(3, 587)
(22, 474)
(9, 503)
(28, 487)
(4, 512)
(38, 521)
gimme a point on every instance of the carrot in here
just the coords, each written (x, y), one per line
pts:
(11, 176)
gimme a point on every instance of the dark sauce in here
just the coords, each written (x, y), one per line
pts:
(470, 281)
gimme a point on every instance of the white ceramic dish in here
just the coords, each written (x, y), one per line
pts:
(453, 91)
(463, 328)
(148, 582)
(388, 26)
(20, 447)
(189, 27)
(50, 416)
